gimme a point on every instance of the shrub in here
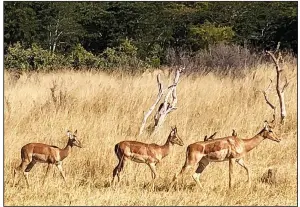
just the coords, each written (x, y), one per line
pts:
(123, 56)
(220, 58)
(209, 34)
(16, 57)
(33, 58)
(225, 58)
(82, 58)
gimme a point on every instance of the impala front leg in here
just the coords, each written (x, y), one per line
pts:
(230, 171)
(46, 174)
(60, 168)
(153, 173)
(242, 163)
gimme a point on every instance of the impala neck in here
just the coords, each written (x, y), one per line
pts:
(253, 142)
(166, 148)
(65, 151)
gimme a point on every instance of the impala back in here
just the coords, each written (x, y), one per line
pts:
(138, 151)
(220, 149)
(40, 152)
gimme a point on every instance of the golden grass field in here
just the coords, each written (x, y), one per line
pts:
(106, 109)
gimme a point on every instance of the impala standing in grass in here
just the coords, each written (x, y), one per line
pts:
(37, 152)
(140, 152)
(223, 149)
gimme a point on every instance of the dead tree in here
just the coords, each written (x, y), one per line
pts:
(280, 87)
(166, 106)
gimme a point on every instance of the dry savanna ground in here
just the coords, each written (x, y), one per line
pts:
(106, 109)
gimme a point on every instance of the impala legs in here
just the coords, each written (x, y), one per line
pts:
(22, 168)
(201, 166)
(27, 170)
(153, 173)
(62, 173)
(187, 165)
(230, 171)
(46, 173)
(242, 164)
(183, 169)
(118, 170)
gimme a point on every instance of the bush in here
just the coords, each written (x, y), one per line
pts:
(208, 34)
(124, 56)
(82, 58)
(223, 58)
(33, 58)
(16, 57)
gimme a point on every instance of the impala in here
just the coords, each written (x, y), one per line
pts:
(37, 152)
(223, 149)
(139, 152)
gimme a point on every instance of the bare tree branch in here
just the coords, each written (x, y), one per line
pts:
(166, 106)
(159, 96)
(279, 89)
(285, 85)
(265, 92)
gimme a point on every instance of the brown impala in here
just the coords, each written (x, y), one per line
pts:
(37, 152)
(223, 149)
(140, 152)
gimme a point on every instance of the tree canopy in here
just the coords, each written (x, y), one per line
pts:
(152, 27)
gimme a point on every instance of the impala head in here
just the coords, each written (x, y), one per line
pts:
(174, 138)
(73, 141)
(268, 133)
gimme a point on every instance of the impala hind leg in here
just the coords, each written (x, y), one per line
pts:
(242, 164)
(116, 172)
(17, 170)
(182, 171)
(201, 166)
(118, 169)
(27, 170)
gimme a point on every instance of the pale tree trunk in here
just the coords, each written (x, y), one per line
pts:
(165, 107)
(279, 88)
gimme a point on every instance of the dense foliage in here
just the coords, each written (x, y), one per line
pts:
(135, 34)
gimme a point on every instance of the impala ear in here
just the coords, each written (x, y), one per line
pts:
(75, 132)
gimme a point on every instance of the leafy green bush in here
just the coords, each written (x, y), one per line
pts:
(123, 56)
(82, 58)
(33, 58)
(16, 57)
(209, 34)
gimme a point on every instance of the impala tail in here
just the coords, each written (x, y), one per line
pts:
(117, 149)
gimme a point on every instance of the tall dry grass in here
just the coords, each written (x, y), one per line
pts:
(106, 109)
